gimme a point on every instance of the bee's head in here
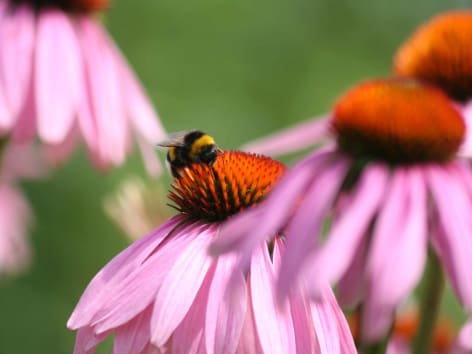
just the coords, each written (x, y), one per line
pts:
(208, 154)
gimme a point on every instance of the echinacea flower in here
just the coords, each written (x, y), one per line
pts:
(391, 189)
(16, 162)
(165, 293)
(62, 79)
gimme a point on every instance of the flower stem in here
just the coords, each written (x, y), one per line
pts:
(430, 302)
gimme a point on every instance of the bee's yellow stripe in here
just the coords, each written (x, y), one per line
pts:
(171, 153)
(197, 145)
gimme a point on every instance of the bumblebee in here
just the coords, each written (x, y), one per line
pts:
(189, 147)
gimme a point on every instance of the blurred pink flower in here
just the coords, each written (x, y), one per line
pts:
(165, 293)
(15, 219)
(16, 162)
(62, 79)
(391, 188)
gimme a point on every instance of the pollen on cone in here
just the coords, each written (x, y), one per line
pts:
(399, 121)
(236, 181)
(439, 52)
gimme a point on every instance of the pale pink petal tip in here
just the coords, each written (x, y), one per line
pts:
(301, 136)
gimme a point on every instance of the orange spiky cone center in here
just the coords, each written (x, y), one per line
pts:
(440, 53)
(236, 181)
(398, 121)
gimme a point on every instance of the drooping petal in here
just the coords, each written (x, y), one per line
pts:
(58, 80)
(87, 340)
(135, 292)
(347, 232)
(116, 271)
(143, 115)
(225, 314)
(303, 231)
(189, 336)
(180, 287)
(17, 38)
(298, 137)
(273, 324)
(453, 239)
(134, 335)
(351, 286)
(398, 251)
(332, 330)
(105, 95)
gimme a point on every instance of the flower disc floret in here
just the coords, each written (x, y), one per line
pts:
(439, 52)
(398, 121)
(236, 181)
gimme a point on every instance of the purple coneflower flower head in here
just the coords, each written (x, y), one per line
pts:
(62, 79)
(166, 293)
(439, 53)
(391, 189)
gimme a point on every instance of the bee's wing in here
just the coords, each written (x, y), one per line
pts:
(174, 139)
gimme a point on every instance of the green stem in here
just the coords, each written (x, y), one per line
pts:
(430, 302)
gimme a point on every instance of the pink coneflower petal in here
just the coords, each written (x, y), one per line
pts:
(115, 272)
(452, 241)
(348, 230)
(273, 337)
(189, 336)
(312, 211)
(106, 98)
(292, 139)
(225, 317)
(352, 285)
(58, 153)
(58, 80)
(179, 288)
(134, 335)
(17, 37)
(323, 313)
(136, 291)
(87, 340)
(398, 250)
(6, 118)
(465, 337)
(143, 115)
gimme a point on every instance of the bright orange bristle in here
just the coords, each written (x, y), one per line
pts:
(236, 181)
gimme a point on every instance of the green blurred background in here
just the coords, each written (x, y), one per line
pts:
(236, 69)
